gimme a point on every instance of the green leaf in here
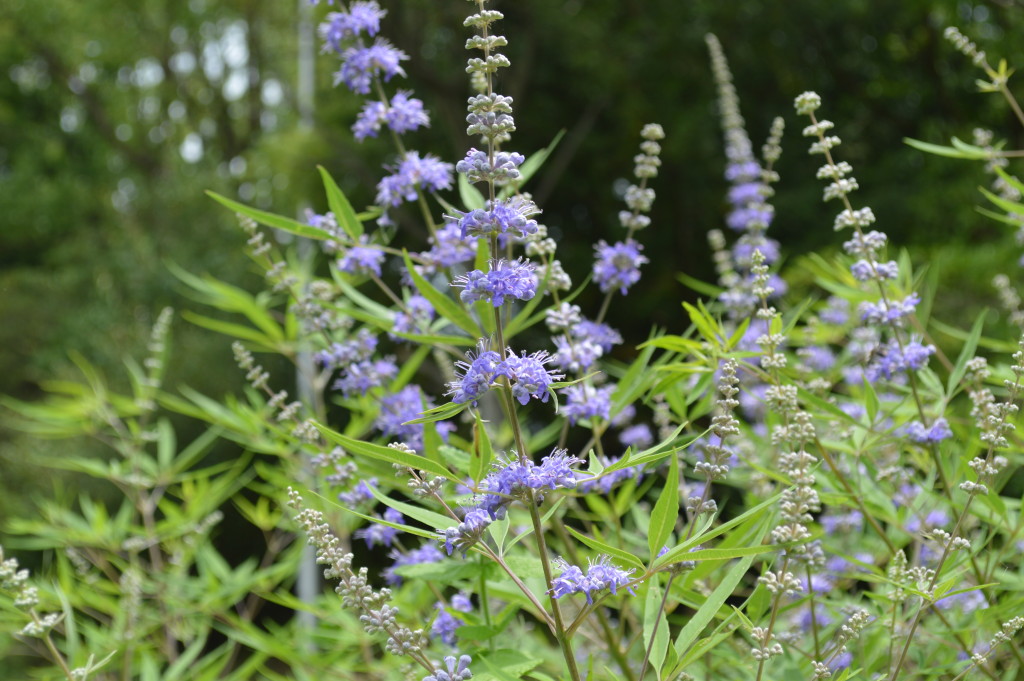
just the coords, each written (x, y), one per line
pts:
(428, 518)
(380, 312)
(705, 323)
(442, 413)
(654, 614)
(231, 329)
(749, 517)
(960, 150)
(606, 548)
(483, 453)
(419, 532)
(1011, 207)
(699, 286)
(530, 167)
(431, 339)
(666, 510)
(654, 453)
(710, 608)
(966, 353)
(270, 219)
(341, 207)
(381, 453)
(471, 197)
(444, 305)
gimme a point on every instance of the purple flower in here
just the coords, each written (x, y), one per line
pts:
(378, 533)
(447, 249)
(358, 494)
(890, 359)
(742, 219)
(514, 479)
(363, 15)
(584, 401)
(743, 250)
(479, 167)
(362, 259)
(360, 64)
(742, 171)
(817, 357)
(862, 270)
(528, 375)
(892, 311)
(937, 432)
(837, 311)
(352, 350)
(457, 670)
(361, 377)
(466, 533)
(428, 553)
(406, 113)
(606, 481)
(966, 602)
(600, 334)
(416, 317)
(844, 523)
(369, 120)
(513, 215)
(477, 374)
(504, 280)
(601, 574)
(462, 603)
(746, 192)
(618, 265)
(867, 245)
(637, 437)
(444, 625)
(573, 354)
(428, 173)
(406, 405)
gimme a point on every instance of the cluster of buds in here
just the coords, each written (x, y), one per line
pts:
(354, 587)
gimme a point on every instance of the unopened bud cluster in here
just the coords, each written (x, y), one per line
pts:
(354, 587)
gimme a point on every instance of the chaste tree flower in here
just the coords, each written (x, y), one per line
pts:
(601, 574)
(505, 279)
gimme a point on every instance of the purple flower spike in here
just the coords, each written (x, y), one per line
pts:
(937, 432)
(428, 553)
(477, 374)
(584, 401)
(362, 259)
(457, 670)
(513, 215)
(504, 280)
(406, 113)
(428, 173)
(369, 120)
(528, 375)
(361, 64)
(601, 574)
(341, 26)
(618, 266)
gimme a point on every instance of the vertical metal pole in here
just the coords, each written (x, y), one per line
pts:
(308, 581)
